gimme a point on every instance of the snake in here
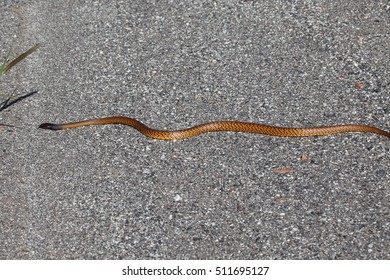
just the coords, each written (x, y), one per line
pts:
(237, 126)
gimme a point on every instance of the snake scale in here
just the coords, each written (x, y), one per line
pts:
(219, 126)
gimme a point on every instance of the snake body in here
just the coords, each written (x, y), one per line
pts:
(219, 126)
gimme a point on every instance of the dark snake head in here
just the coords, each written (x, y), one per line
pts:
(50, 126)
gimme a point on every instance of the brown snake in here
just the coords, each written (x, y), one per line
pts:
(219, 126)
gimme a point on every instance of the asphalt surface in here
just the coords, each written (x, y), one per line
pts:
(109, 192)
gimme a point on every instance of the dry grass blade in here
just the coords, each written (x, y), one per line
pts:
(20, 57)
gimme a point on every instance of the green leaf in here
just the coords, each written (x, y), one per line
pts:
(18, 59)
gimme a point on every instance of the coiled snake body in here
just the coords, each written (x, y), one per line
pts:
(219, 126)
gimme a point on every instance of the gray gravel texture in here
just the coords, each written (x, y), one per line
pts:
(109, 192)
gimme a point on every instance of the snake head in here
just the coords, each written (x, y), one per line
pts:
(50, 126)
